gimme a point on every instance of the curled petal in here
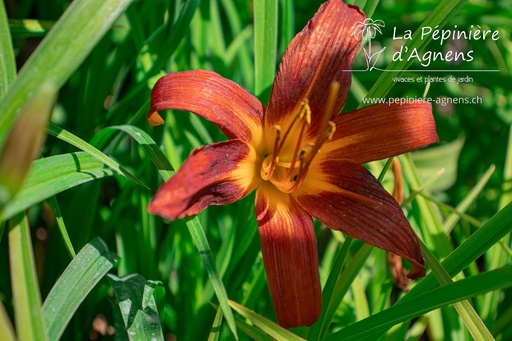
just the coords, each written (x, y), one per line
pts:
(216, 174)
(205, 93)
(288, 244)
(345, 196)
(321, 53)
(380, 131)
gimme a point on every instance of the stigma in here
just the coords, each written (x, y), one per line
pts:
(287, 170)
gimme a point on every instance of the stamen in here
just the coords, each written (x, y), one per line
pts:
(268, 170)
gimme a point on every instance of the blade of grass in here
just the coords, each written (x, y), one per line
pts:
(145, 141)
(25, 288)
(138, 306)
(29, 28)
(74, 140)
(377, 324)
(60, 53)
(265, 46)
(217, 324)
(318, 330)
(6, 330)
(77, 280)
(7, 61)
(466, 312)
(452, 220)
(269, 327)
(62, 227)
(53, 175)
(201, 242)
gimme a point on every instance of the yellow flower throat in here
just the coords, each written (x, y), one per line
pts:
(288, 173)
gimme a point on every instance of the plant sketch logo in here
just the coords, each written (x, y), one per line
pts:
(368, 29)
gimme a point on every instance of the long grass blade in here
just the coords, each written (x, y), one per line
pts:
(60, 53)
(26, 296)
(77, 280)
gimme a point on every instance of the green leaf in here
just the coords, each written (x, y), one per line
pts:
(77, 280)
(7, 61)
(6, 330)
(25, 288)
(201, 242)
(265, 46)
(269, 327)
(145, 141)
(136, 299)
(53, 175)
(60, 53)
(375, 325)
(74, 140)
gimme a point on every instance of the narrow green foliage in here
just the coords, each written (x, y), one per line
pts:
(53, 175)
(265, 45)
(269, 327)
(91, 150)
(78, 279)
(138, 306)
(6, 329)
(27, 299)
(199, 238)
(7, 62)
(61, 52)
(378, 323)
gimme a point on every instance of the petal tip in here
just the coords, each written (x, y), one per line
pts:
(155, 119)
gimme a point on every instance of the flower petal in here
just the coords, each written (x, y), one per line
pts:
(380, 131)
(322, 52)
(288, 244)
(345, 196)
(205, 93)
(215, 174)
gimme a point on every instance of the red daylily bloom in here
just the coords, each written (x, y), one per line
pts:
(302, 158)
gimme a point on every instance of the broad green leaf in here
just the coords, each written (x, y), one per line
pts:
(7, 61)
(269, 327)
(265, 46)
(375, 325)
(53, 175)
(77, 280)
(74, 140)
(60, 53)
(138, 306)
(25, 288)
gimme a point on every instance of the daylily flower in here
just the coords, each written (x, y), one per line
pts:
(302, 158)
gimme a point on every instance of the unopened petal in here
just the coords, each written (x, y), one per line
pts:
(345, 196)
(380, 131)
(216, 174)
(321, 53)
(288, 244)
(219, 100)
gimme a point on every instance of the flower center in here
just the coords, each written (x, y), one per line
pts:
(287, 172)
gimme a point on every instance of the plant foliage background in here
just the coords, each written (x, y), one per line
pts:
(88, 190)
